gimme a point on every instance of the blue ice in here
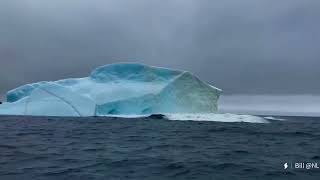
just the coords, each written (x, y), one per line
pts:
(115, 89)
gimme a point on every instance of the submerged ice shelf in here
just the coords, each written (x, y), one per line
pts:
(116, 89)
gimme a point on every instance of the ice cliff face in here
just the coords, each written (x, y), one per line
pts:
(116, 89)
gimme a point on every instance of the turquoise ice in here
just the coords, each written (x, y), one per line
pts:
(115, 89)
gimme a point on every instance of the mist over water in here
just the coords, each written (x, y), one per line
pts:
(285, 105)
(291, 105)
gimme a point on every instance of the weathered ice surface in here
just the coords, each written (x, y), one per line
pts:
(116, 89)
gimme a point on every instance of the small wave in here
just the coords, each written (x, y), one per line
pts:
(274, 118)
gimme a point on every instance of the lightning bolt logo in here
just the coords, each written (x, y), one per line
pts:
(285, 165)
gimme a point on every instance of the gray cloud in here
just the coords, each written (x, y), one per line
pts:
(247, 46)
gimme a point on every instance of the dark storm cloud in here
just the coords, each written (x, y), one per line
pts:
(244, 46)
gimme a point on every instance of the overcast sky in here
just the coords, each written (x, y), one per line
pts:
(242, 47)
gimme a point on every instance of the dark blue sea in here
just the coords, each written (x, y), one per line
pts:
(157, 149)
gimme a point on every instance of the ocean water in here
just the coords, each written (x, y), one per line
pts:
(156, 149)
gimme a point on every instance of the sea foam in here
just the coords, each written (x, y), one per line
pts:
(216, 117)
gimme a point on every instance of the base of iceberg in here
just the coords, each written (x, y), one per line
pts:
(216, 117)
(212, 117)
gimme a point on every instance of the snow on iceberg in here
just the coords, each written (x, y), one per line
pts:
(116, 89)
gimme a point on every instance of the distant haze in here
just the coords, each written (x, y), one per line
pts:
(242, 47)
(284, 105)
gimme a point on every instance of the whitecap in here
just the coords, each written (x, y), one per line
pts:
(274, 118)
(217, 117)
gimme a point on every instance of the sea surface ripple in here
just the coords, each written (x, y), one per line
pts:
(155, 149)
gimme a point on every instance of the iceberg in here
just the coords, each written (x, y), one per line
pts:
(115, 89)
